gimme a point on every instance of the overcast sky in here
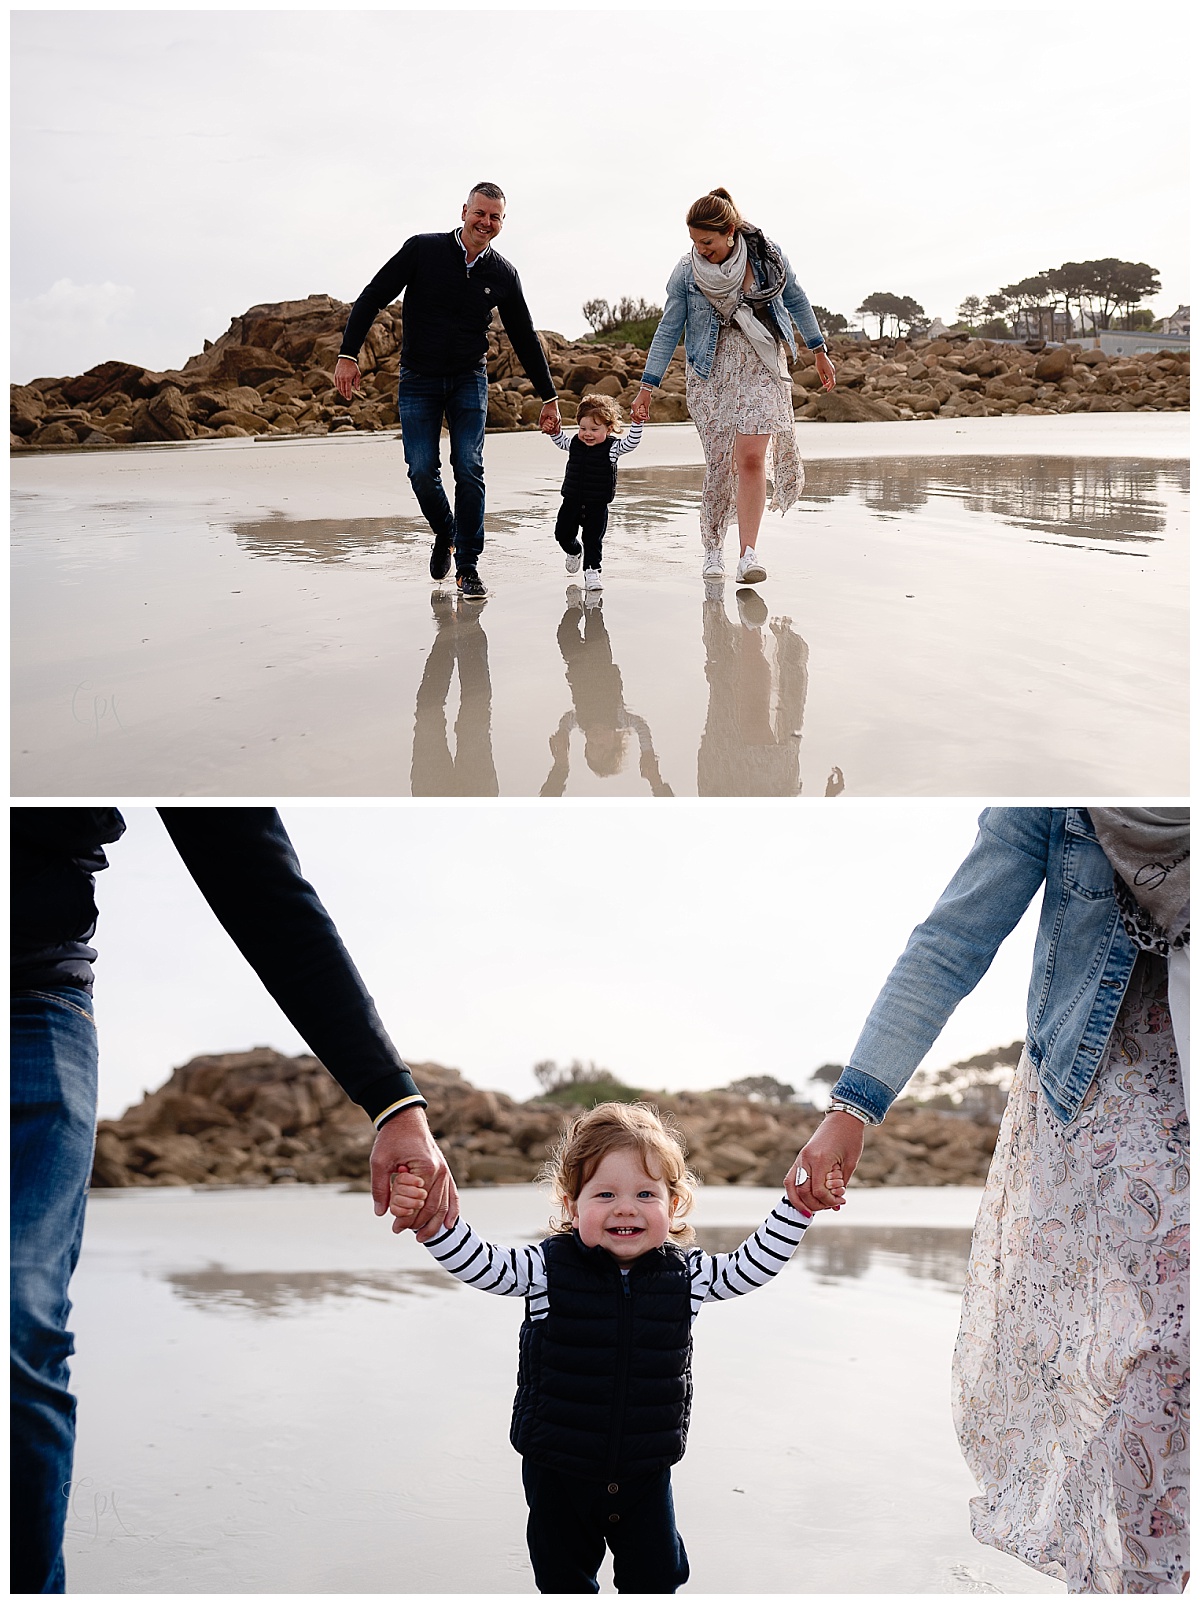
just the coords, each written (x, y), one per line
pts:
(173, 168)
(680, 947)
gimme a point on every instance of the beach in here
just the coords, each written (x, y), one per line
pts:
(969, 606)
(277, 1395)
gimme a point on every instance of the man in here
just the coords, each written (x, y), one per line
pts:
(245, 865)
(451, 283)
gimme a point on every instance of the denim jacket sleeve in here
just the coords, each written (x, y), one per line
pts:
(947, 955)
(798, 306)
(670, 328)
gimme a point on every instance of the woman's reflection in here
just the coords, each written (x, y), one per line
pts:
(470, 771)
(598, 703)
(757, 688)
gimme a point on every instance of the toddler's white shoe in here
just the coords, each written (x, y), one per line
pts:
(574, 562)
(749, 570)
(714, 563)
(591, 579)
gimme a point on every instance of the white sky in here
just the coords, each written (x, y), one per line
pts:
(172, 168)
(680, 947)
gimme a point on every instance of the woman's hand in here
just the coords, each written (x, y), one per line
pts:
(346, 377)
(640, 410)
(831, 1154)
(825, 369)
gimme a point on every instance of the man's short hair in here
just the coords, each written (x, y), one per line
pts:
(492, 191)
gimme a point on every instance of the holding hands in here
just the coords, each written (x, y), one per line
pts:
(833, 1151)
(640, 411)
(549, 421)
(405, 1144)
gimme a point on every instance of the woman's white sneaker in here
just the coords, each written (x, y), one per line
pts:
(714, 563)
(749, 570)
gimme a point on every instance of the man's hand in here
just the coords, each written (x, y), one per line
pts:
(831, 1157)
(405, 1143)
(346, 377)
(640, 411)
(825, 369)
(549, 421)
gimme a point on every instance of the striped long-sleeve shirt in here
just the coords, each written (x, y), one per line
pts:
(621, 444)
(521, 1272)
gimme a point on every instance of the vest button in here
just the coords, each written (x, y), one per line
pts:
(612, 1487)
(614, 1518)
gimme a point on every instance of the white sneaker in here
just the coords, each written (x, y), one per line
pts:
(574, 562)
(749, 570)
(591, 579)
(714, 563)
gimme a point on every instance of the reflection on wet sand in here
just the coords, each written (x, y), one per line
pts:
(1100, 499)
(273, 1292)
(339, 540)
(939, 1254)
(597, 708)
(757, 688)
(1111, 500)
(459, 642)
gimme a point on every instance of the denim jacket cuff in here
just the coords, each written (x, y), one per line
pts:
(863, 1092)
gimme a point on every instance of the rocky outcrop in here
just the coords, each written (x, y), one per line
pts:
(271, 374)
(259, 1118)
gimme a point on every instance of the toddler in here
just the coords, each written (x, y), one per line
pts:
(590, 482)
(604, 1379)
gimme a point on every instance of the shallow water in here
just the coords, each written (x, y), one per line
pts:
(255, 621)
(277, 1395)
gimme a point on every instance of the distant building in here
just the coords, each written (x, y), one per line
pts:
(1179, 322)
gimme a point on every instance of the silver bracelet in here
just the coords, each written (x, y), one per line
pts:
(844, 1108)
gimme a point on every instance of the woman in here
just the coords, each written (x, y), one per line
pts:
(733, 299)
(1070, 1371)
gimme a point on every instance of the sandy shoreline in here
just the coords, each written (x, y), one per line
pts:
(277, 1395)
(234, 618)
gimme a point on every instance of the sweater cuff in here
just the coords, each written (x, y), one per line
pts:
(390, 1094)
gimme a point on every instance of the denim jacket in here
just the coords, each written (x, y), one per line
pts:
(1082, 962)
(689, 314)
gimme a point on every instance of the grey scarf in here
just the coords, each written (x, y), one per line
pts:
(721, 285)
(1149, 848)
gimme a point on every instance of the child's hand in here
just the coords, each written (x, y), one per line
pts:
(407, 1199)
(836, 1184)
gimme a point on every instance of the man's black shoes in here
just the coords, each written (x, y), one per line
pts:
(439, 557)
(470, 585)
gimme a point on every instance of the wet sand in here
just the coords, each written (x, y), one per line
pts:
(990, 606)
(277, 1395)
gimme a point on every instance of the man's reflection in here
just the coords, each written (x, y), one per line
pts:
(598, 703)
(757, 688)
(470, 771)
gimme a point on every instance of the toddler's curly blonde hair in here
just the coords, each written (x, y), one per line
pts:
(602, 407)
(621, 1127)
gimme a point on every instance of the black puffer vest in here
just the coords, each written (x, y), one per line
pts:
(591, 474)
(604, 1384)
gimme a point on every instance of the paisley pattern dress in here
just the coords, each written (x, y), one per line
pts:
(741, 397)
(1071, 1368)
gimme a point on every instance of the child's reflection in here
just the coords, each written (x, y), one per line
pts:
(598, 703)
(470, 771)
(757, 688)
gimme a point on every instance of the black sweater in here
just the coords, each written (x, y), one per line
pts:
(447, 310)
(246, 867)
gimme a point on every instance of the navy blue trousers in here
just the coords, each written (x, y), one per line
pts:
(572, 1521)
(589, 518)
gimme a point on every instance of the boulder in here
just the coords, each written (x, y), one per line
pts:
(1054, 364)
(583, 376)
(836, 406)
(103, 380)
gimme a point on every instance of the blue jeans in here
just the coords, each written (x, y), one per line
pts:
(461, 398)
(53, 1107)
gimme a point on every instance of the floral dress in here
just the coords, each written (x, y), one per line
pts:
(1071, 1368)
(740, 396)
